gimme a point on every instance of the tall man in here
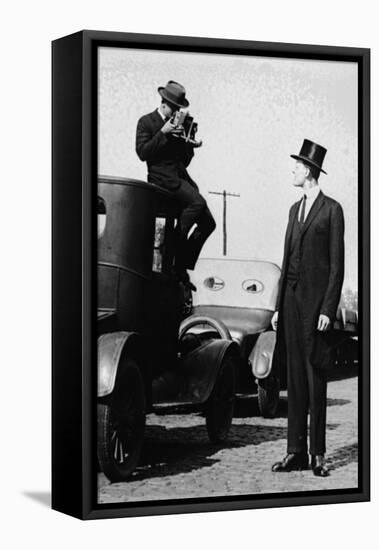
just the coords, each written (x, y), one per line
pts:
(167, 158)
(309, 293)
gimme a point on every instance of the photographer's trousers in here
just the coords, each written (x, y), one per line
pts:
(194, 211)
(306, 384)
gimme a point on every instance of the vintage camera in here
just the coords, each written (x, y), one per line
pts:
(186, 127)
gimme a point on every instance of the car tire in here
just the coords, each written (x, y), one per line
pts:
(121, 424)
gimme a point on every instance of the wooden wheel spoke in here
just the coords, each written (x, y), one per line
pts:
(115, 449)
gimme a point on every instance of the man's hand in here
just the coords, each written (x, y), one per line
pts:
(274, 320)
(169, 128)
(323, 323)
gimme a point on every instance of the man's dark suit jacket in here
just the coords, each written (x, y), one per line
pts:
(321, 272)
(167, 156)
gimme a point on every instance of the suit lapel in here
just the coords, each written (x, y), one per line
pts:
(157, 119)
(295, 213)
(291, 222)
(313, 212)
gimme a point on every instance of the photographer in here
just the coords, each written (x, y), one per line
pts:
(167, 156)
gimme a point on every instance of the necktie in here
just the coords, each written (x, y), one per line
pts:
(302, 213)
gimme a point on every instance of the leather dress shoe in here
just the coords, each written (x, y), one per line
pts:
(293, 461)
(318, 466)
(183, 278)
(190, 286)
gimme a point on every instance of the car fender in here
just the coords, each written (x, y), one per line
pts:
(262, 354)
(201, 367)
(110, 348)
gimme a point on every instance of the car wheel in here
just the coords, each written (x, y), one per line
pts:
(220, 405)
(268, 395)
(121, 424)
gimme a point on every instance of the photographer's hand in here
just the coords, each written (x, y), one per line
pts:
(169, 128)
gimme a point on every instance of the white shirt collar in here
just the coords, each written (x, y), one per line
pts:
(161, 114)
(313, 192)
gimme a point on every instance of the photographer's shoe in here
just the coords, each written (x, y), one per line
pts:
(318, 466)
(291, 462)
(183, 278)
(190, 286)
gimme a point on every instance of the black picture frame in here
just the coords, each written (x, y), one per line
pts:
(74, 175)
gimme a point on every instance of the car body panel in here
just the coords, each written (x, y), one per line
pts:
(110, 347)
(262, 355)
(194, 377)
(251, 284)
(240, 321)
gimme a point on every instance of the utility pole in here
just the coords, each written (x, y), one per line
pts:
(224, 194)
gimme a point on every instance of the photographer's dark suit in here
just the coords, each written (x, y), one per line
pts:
(167, 158)
(310, 285)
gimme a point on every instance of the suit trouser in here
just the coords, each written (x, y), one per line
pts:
(194, 211)
(306, 384)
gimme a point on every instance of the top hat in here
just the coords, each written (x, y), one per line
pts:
(174, 93)
(311, 153)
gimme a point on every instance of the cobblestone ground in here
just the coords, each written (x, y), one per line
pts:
(179, 461)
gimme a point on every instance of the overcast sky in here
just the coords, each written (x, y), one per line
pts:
(253, 112)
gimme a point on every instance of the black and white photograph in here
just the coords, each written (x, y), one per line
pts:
(189, 307)
(228, 275)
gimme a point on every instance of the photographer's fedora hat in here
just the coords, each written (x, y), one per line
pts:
(311, 153)
(174, 93)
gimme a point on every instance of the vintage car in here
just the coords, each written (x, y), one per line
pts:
(241, 295)
(144, 361)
